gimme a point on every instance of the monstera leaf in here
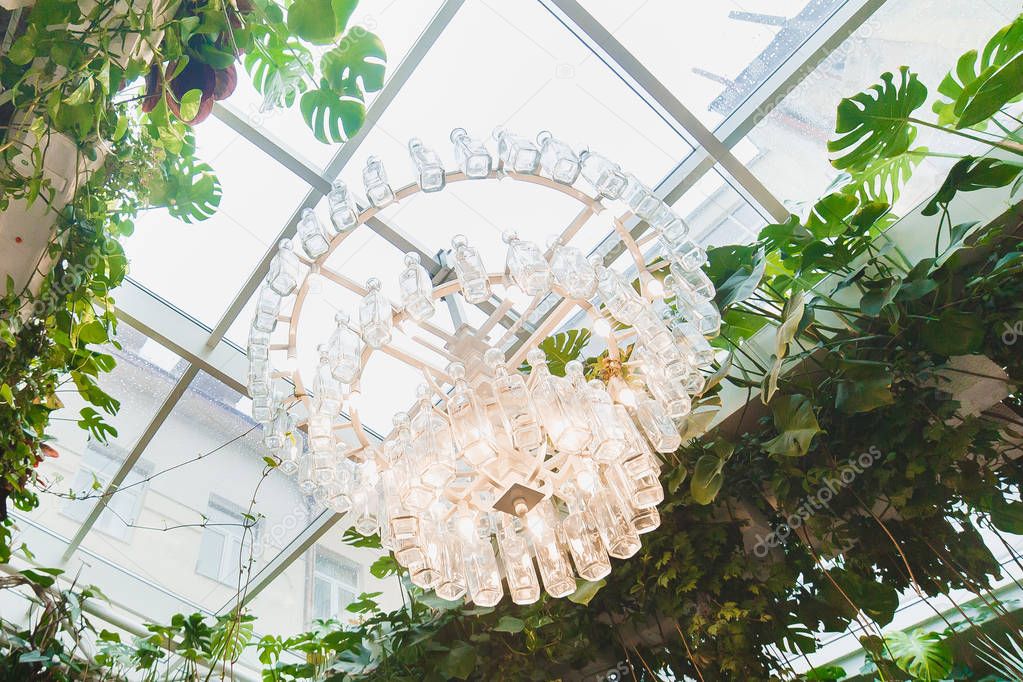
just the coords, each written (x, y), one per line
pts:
(188, 189)
(967, 86)
(331, 117)
(356, 66)
(921, 654)
(797, 425)
(320, 21)
(562, 348)
(882, 179)
(278, 67)
(876, 124)
(970, 174)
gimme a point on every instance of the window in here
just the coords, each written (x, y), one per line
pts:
(99, 464)
(335, 584)
(221, 549)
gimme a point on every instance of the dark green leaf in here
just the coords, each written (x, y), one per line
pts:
(707, 478)
(331, 118)
(357, 65)
(796, 424)
(953, 333)
(970, 174)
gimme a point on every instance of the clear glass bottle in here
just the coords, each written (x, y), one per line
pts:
(654, 333)
(656, 425)
(517, 154)
(291, 454)
(326, 388)
(433, 446)
(527, 265)
(618, 295)
(551, 556)
(451, 585)
(684, 253)
(275, 437)
(615, 525)
(268, 306)
(472, 275)
(689, 339)
(311, 234)
(416, 289)
(516, 403)
(557, 160)
(482, 574)
(603, 174)
(306, 482)
(523, 584)
(558, 406)
(365, 509)
(345, 348)
(471, 154)
(429, 167)
(646, 520)
(374, 177)
(375, 316)
(321, 432)
(696, 281)
(401, 522)
(258, 344)
(426, 575)
(343, 210)
(668, 389)
(573, 272)
(583, 537)
(610, 439)
(284, 269)
(339, 492)
(640, 198)
(469, 425)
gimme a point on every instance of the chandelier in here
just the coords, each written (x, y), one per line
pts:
(502, 476)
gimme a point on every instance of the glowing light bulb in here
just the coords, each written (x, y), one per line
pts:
(585, 481)
(536, 524)
(601, 327)
(465, 527)
(627, 397)
(655, 288)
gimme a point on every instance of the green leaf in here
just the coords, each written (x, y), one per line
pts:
(830, 215)
(357, 65)
(863, 387)
(190, 192)
(384, 566)
(1000, 88)
(92, 422)
(190, 104)
(365, 603)
(973, 70)
(6, 394)
(586, 590)
(921, 654)
(319, 21)
(882, 179)
(707, 478)
(81, 94)
(510, 624)
(875, 124)
(1007, 516)
(563, 348)
(459, 662)
(796, 424)
(828, 673)
(953, 333)
(354, 538)
(970, 174)
(330, 117)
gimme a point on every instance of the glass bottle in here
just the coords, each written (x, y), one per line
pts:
(339, 492)
(472, 156)
(527, 265)
(656, 425)
(515, 402)
(610, 439)
(401, 522)
(429, 167)
(258, 344)
(603, 174)
(618, 295)
(668, 389)
(416, 289)
(364, 509)
(573, 272)
(275, 437)
(290, 455)
(517, 154)
(696, 281)
(469, 425)
(523, 584)
(583, 537)
(375, 316)
(653, 333)
(684, 253)
(689, 339)
(558, 407)
(345, 348)
(451, 585)
(343, 213)
(551, 557)
(703, 314)
(311, 234)
(433, 447)
(374, 177)
(640, 198)
(472, 275)
(482, 574)
(306, 482)
(326, 388)
(284, 269)
(426, 574)
(268, 306)
(615, 525)
(321, 432)
(557, 159)
(646, 520)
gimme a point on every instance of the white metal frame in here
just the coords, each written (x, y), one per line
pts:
(207, 350)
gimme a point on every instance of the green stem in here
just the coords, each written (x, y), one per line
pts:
(1008, 147)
